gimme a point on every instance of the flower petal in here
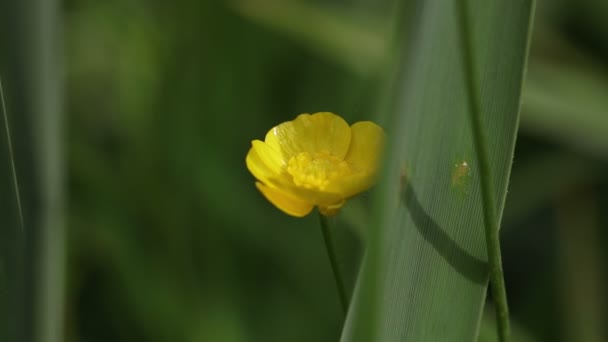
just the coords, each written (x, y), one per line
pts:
(285, 202)
(269, 156)
(366, 146)
(266, 166)
(353, 184)
(311, 133)
(363, 156)
(321, 198)
(258, 166)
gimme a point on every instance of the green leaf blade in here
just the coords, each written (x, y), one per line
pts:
(432, 262)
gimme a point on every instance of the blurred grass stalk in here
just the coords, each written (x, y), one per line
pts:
(32, 74)
(52, 256)
(579, 260)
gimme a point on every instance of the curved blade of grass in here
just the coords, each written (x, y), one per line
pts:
(428, 273)
(11, 234)
(32, 258)
(11, 160)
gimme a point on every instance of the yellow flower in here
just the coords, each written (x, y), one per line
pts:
(315, 160)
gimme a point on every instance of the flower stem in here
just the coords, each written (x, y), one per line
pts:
(333, 260)
(12, 159)
(497, 279)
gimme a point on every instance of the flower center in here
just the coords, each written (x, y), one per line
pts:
(316, 170)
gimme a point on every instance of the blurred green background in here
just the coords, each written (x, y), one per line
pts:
(167, 237)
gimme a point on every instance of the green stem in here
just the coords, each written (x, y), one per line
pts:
(333, 260)
(12, 157)
(489, 208)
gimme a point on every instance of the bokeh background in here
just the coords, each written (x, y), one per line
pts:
(167, 237)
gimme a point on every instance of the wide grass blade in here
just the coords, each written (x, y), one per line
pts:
(32, 258)
(426, 273)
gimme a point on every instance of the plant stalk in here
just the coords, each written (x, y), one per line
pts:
(497, 280)
(12, 157)
(333, 260)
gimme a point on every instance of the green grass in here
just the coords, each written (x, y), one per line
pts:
(32, 251)
(164, 221)
(11, 235)
(428, 273)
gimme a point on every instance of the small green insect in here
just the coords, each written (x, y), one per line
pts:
(461, 175)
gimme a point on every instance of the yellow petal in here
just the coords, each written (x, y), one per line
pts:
(311, 133)
(266, 166)
(285, 202)
(353, 184)
(367, 142)
(269, 156)
(322, 198)
(258, 167)
(366, 145)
